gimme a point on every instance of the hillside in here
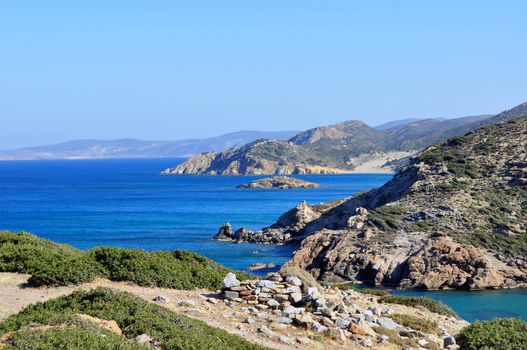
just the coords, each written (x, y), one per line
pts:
(455, 217)
(132, 148)
(350, 146)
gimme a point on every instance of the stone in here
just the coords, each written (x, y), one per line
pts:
(262, 315)
(231, 295)
(317, 327)
(283, 320)
(286, 340)
(249, 320)
(303, 319)
(342, 323)
(230, 281)
(274, 276)
(162, 299)
(366, 343)
(144, 339)
(313, 293)
(422, 342)
(293, 289)
(266, 331)
(295, 297)
(387, 323)
(273, 303)
(303, 340)
(194, 311)
(295, 281)
(291, 310)
(187, 302)
(449, 341)
(265, 284)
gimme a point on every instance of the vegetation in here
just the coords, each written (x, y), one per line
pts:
(414, 322)
(133, 315)
(54, 264)
(386, 217)
(429, 304)
(500, 333)
(307, 279)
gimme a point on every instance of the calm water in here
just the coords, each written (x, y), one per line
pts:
(126, 203)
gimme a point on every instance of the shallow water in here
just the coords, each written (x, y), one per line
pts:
(126, 203)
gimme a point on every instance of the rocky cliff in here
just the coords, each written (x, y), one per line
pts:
(350, 146)
(279, 182)
(455, 217)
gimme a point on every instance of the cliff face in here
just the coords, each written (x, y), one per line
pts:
(455, 217)
(340, 148)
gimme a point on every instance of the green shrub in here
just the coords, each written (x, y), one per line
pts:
(386, 217)
(497, 334)
(429, 304)
(48, 263)
(133, 315)
(54, 264)
(414, 322)
(70, 338)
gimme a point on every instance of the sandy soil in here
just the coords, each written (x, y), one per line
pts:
(15, 296)
(373, 164)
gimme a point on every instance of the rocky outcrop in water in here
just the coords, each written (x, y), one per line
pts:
(279, 182)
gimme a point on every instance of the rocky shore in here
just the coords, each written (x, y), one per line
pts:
(279, 182)
(453, 218)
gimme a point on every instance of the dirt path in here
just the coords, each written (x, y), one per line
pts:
(15, 296)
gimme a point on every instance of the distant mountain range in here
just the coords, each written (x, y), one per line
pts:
(133, 148)
(350, 146)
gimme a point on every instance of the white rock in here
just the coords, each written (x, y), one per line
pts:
(303, 340)
(295, 281)
(296, 297)
(286, 340)
(266, 331)
(230, 281)
(272, 303)
(162, 299)
(265, 284)
(387, 323)
(187, 303)
(319, 328)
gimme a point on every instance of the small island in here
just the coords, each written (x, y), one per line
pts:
(279, 182)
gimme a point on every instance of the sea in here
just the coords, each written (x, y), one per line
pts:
(127, 203)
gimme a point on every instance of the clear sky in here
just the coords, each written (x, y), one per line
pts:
(176, 69)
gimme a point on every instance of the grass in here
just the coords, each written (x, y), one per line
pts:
(429, 304)
(51, 264)
(500, 333)
(133, 315)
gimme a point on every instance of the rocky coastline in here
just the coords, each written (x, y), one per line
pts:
(454, 218)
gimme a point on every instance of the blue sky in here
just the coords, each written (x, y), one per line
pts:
(178, 69)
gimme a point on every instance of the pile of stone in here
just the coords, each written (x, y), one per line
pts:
(333, 313)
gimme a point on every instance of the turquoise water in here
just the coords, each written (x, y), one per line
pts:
(126, 203)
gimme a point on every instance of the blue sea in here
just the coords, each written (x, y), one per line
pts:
(126, 203)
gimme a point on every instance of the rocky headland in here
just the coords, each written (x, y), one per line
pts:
(279, 182)
(453, 218)
(347, 147)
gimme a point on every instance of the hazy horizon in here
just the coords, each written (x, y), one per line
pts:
(162, 70)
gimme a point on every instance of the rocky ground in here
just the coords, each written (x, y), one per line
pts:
(279, 182)
(264, 312)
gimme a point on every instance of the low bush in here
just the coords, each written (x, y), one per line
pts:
(307, 279)
(133, 315)
(54, 264)
(429, 304)
(414, 322)
(500, 333)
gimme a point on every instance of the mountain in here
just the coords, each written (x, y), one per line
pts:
(455, 217)
(132, 148)
(396, 123)
(350, 146)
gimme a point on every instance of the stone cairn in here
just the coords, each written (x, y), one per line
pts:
(287, 301)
